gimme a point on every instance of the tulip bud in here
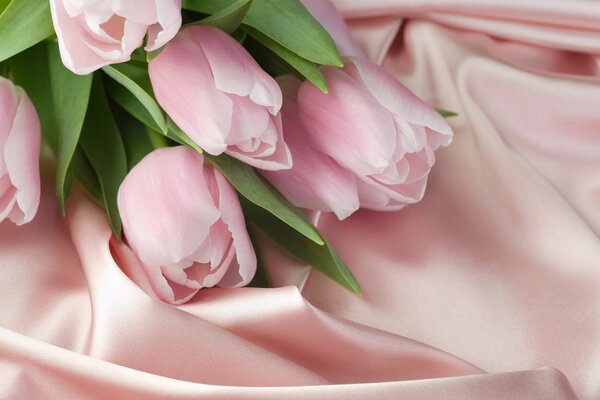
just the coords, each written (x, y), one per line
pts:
(375, 127)
(94, 33)
(19, 155)
(316, 181)
(184, 222)
(216, 93)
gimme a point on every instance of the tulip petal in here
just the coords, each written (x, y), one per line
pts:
(166, 207)
(167, 24)
(140, 11)
(272, 154)
(9, 103)
(181, 79)
(249, 120)
(8, 197)
(348, 124)
(233, 68)
(395, 97)
(75, 53)
(21, 154)
(243, 266)
(316, 181)
(384, 197)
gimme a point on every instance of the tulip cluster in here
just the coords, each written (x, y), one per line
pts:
(366, 143)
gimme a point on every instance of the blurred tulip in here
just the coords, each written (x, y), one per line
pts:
(20, 138)
(94, 33)
(215, 92)
(375, 127)
(183, 220)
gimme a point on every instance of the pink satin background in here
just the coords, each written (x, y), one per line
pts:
(497, 270)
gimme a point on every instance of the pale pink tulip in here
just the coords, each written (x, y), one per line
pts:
(94, 33)
(183, 220)
(316, 181)
(20, 138)
(215, 92)
(375, 127)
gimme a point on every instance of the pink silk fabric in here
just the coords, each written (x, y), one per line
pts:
(487, 289)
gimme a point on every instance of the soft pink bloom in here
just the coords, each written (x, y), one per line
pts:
(214, 91)
(372, 125)
(20, 138)
(94, 33)
(183, 220)
(316, 181)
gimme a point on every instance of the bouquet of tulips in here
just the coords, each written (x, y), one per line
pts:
(197, 124)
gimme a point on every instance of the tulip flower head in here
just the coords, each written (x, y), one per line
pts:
(94, 33)
(184, 222)
(20, 138)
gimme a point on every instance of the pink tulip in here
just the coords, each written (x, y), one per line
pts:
(184, 222)
(216, 93)
(372, 125)
(19, 155)
(94, 33)
(316, 181)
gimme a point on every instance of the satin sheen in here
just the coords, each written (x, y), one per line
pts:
(470, 294)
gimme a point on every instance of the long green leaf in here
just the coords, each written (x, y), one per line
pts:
(127, 75)
(23, 23)
(85, 174)
(135, 136)
(323, 258)
(261, 278)
(286, 22)
(259, 192)
(70, 94)
(125, 99)
(29, 69)
(229, 18)
(101, 142)
(303, 67)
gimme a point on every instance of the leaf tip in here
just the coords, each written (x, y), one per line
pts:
(446, 113)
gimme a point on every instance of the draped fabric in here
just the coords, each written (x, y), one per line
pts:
(488, 288)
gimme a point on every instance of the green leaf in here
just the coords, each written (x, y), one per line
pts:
(306, 69)
(70, 94)
(85, 174)
(134, 134)
(261, 278)
(29, 69)
(323, 258)
(23, 23)
(102, 145)
(128, 76)
(125, 99)
(3, 5)
(286, 22)
(229, 18)
(446, 113)
(259, 192)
